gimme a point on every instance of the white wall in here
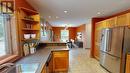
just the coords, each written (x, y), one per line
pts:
(88, 35)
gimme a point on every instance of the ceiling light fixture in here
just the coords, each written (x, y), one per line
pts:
(98, 12)
(65, 11)
(57, 17)
(49, 16)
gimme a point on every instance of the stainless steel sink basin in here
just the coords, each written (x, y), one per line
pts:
(19, 68)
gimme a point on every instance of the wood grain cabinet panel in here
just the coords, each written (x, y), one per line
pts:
(123, 20)
(104, 25)
(97, 40)
(128, 19)
(60, 61)
(110, 23)
(44, 70)
(97, 52)
(128, 64)
(50, 65)
(101, 25)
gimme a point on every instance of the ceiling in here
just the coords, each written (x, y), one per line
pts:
(79, 11)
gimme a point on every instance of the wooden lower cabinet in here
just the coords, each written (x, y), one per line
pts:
(44, 70)
(50, 65)
(60, 61)
(97, 52)
(128, 64)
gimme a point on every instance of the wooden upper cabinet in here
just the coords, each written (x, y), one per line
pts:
(128, 64)
(97, 33)
(97, 26)
(110, 23)
(101, 25)
(123, 20)
(128, 19)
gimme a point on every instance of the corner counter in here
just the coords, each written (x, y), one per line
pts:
(39, 59)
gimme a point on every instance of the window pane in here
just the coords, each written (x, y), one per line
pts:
(8, 35)
(5, 35)
(2, 37)
(64, 35)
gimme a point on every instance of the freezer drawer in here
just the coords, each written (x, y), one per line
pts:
(109, 62)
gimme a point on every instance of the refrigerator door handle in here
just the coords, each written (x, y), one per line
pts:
(110, 40)
(107, 41)
(102, 37)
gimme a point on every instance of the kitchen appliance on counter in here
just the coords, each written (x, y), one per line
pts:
(114, 46)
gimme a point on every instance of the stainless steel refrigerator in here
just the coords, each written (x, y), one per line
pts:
(113, 48)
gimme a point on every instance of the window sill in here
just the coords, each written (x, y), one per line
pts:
(9, 59)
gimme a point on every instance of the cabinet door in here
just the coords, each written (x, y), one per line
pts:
(101, 24)
(122, 20)
(60, 61)
(50, 65)
(97, 35)
(128, 64)
(97, 40)
(128, 19)
(97, 52)
(111, 22)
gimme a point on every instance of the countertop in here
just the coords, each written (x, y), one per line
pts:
(39, 58)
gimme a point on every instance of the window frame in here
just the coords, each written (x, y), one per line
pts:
(64, 36)
(15, 52)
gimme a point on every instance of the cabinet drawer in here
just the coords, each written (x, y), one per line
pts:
(60, 54)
